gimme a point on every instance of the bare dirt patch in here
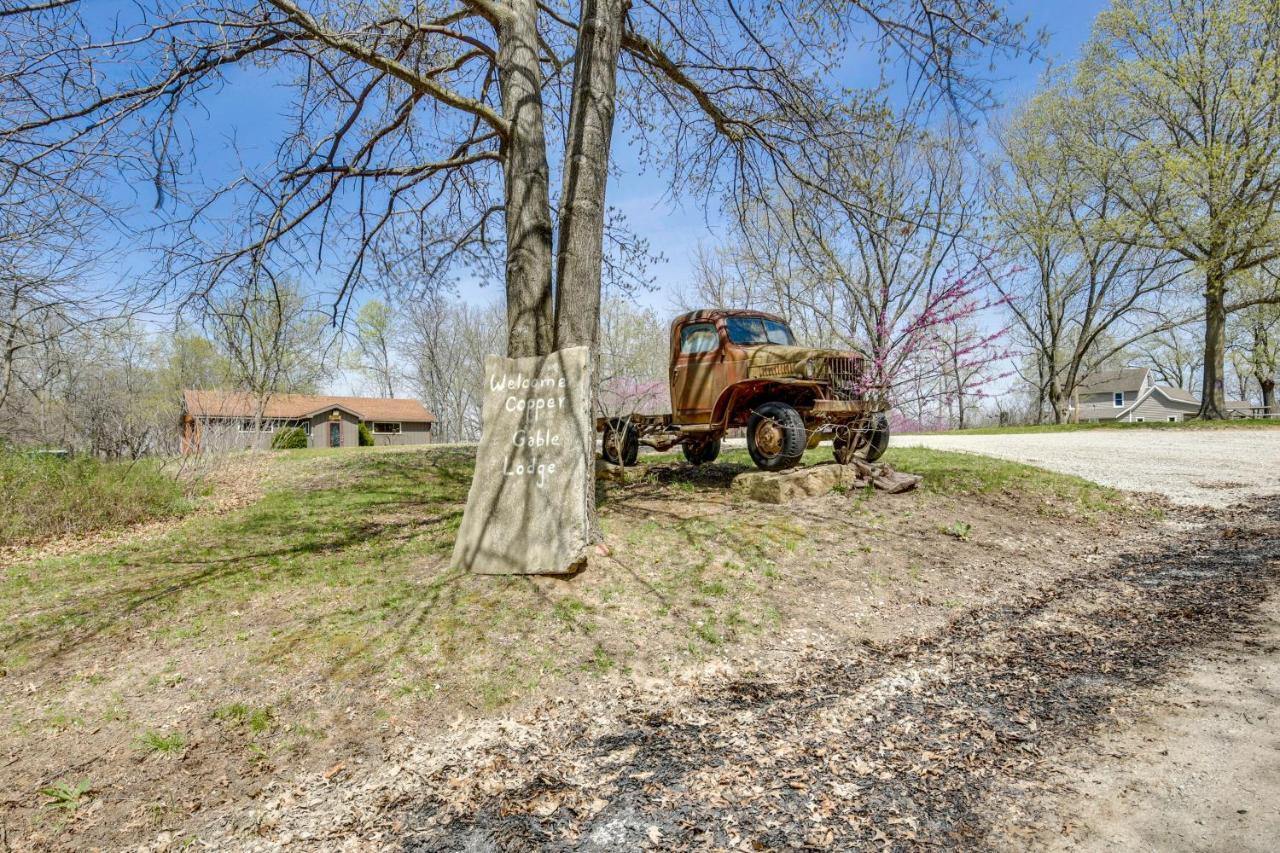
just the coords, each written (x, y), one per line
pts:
(1191, 765)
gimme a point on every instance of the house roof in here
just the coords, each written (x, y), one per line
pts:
(238, 404)
(1178, 394)
(1175, 396)
(1110, 381)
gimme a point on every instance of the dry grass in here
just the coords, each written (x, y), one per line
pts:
(303, 630)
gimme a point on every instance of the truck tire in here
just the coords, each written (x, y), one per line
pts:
(620, 444)
(775, 436)
(878, 441)
(871, 443)
(701, 452)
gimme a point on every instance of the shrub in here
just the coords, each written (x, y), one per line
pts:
(366, 435)
(46, 496)
(290, 438)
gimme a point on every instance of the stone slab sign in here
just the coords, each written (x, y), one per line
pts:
(786, 486)
(529, 508)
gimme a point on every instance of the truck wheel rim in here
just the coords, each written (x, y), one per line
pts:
(769, 438)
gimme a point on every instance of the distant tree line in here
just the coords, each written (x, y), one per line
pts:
(1129, 214)
(1133, 199)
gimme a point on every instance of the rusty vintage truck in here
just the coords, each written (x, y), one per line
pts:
(733, 369)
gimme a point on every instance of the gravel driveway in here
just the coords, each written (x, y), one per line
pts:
(1213, 468)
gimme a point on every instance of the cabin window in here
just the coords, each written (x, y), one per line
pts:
(1119, 399)
(1173, 418)
(698, 338)
(386, 428)
(1140, 420)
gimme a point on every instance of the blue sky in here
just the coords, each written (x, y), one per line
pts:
(245, 121)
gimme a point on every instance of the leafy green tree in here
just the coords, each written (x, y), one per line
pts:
(193, 361)
(1180, 100)
(1257, 339)
(373, 359)
(1084, 290)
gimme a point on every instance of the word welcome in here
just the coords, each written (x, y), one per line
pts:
(520, 382)
(529, 440)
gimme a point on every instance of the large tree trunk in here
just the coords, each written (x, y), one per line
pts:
(586, 173)
(1264, 366)
(579, 261)
(1213, 404)
(528, 204)
(1057, 402)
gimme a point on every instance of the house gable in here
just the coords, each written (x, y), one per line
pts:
(1160, 403)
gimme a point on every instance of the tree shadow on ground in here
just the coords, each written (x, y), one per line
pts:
(915, 742)
(264, 545)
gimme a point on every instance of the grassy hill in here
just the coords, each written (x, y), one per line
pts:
(300, 631)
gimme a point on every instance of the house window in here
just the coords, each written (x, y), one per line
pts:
(1118, 399)
(246, 425)
(268, 424)
(1173, 418)
(1140, 420)
(386, 428)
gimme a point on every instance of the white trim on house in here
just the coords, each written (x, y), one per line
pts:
(331, 407)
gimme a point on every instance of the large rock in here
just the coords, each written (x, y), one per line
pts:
(529, 507)
(619, 473)
(786, 486)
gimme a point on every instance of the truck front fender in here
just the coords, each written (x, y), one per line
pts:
(739, 394)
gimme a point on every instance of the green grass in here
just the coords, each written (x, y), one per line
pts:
(45, 496)
(1235, 423)
(948, 473)
(164, 744)
(340, 546)
(339, 576)
(67, 796)
(971, 473)
(256, 720)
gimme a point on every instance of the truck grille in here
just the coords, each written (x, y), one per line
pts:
(845, 375)
(778, 370)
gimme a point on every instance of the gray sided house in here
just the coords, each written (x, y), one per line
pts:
(1130, 394)
(225, 420)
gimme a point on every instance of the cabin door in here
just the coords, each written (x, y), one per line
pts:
(695, 380)
(335, 433)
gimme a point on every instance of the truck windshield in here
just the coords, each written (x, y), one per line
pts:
(753, 331)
